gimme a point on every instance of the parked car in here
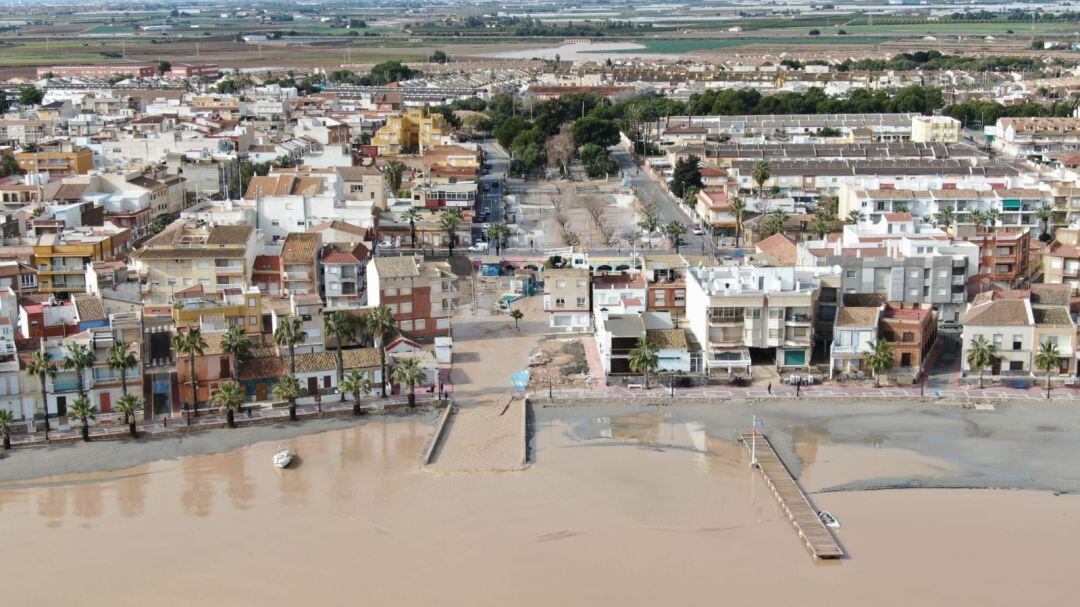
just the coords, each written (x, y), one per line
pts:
(479, 247)
(698, 231)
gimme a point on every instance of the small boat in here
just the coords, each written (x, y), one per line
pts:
(283, 458)
(829, 520)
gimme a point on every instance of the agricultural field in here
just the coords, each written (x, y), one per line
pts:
(689, 45)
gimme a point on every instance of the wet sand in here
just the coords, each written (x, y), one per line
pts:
(635, 507)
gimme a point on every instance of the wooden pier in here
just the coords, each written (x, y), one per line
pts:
(817, 537)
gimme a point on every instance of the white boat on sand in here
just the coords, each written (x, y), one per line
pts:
(828, 519)
(283, 458)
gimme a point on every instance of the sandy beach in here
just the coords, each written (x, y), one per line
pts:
(657, 509)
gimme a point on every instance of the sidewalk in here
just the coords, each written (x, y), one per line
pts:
(207, 421)
(830, 391)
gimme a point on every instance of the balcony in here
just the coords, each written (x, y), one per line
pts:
(725, 321)
(958, 279)
(306, 275)
(799, 320)
(220, 270)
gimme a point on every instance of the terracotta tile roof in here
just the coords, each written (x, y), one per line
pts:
(283, 185)
(898, 217)
(356, 358)
(1053, 295)
(339, 257)
(340, 226)
(266, 367)
(220, 235)
(666, 338)
(267, 263)
(851, 316)
(991, 311)
(299, 248)
(396, 267)
(88, 307)
(1055, 316)
(779, 247)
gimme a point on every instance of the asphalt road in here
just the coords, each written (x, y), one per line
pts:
(650, 192)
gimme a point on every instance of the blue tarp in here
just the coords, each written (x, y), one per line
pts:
(520, 380)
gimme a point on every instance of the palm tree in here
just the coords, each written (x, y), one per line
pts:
(879, 360)
(82, 411)
(1045, 214)
(498, 232)
(412, 215)
(980, 356)
(738, 209)
(775, 223)
(675, 231)
(649, 222)
(393, 171)
(821, 224)
(993, 216)
(449, 221)
(1048, 359)
(408, 373)
(237, 346)
(978, 219)
(290, 332)
(901, 208)
(341, 326)
(41, 364)
(191, 344)
(760, 174)
(230, 396)
(78, 359)
(517, 315)
(7, 420)
(288, 388)
(945, 218)
(855, 216)
(356, 384)
(129, 404)
(644, 359)
(121, 358)
(380, 322)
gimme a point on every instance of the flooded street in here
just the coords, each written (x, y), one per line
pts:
(631, 508)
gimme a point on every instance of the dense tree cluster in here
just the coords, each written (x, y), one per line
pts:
(380, 75)
(814, 101)
(935, 60)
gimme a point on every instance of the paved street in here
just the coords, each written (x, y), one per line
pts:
(650, 192)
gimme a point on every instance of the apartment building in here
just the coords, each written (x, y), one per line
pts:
(194, 253)
(566, 299)
(58, 158)
(26, 130)
(909, 331)
(411, 132)
(219, 309)
(909, 261)
(299, 262)
(364, 183)
(619, 293)
(422, 295)
(935, 129)
(325, 131)
(1023, 137)
(342, 275)
(1061, 264)
(133, 70)
(665, 277)
(1004, 258)
(61, 258)
(461, 194)
(1016, 205)
(732, 310)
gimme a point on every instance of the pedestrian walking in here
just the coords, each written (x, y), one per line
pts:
(164, 421)
(770, 388)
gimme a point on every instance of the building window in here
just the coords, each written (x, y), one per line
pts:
(420, 324)
(581, 302)
(997, 340)
(405, 291)
(406, 325)
(1018, 342)
(560, 302)
(406, 307)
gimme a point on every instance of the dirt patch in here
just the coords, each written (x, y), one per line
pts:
(558, 361)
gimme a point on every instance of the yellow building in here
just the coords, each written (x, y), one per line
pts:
(935, 129)
(61, 259)
(410, 133)
(60, 159)
(195, 254)
(217, 311)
